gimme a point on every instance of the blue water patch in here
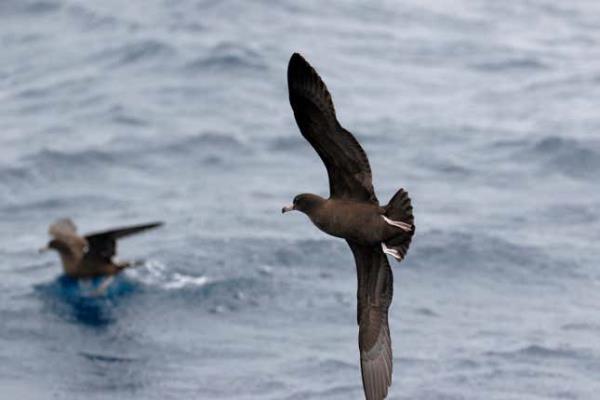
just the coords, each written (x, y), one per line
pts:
(87, 301)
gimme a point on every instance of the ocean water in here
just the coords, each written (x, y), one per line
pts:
(125, 112)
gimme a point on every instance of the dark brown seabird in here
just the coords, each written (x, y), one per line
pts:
(90, 255)
(352, 212)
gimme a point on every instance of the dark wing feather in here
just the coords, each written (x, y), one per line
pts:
(375, 291)
(103, 244)
(346, 161)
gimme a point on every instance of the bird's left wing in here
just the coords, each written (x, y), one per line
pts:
(374, 294)
(104, 244)
(346, 162)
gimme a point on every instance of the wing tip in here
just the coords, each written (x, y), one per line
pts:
(305, 82)
(299, 69)
(146, 226)
(297, 60)
(150, 225)
(297, 56)
(375, 387)
(377, 371)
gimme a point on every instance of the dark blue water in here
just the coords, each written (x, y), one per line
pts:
(126, 112)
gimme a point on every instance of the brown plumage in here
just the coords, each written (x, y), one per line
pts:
(353, 212)
(90, 255)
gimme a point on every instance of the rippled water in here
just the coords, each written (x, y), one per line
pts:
(123, 112)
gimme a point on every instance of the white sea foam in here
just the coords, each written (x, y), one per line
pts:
(154, 273)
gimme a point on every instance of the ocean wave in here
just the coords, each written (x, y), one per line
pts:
(209, 148)
(426, 312)
(535, 351)
(28, 7)
(334, 365)
(50, 158)
(90, 19)
(202, 141)
(20, 39)
(575, 158)
(228, 56)
(60, 203)
(11, 176)
(486, 255)
(450, 168)
(287, 143)
(582, 326)
(511, 64)
(215, 294)
(342, 391)
(572, 214)
(137, 51)
(49, 165)
(105, 358)
(316, 253)
(294, 141)
(123, 116)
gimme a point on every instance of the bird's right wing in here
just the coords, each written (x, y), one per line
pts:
(346, 161)
(374, 294)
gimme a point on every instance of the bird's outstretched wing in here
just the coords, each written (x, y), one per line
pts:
(103, 245)
(346, 161)
(375, 291)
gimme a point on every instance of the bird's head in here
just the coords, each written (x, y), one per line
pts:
(305, 202)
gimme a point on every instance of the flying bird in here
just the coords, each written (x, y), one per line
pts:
(352, 212)
(90, 255)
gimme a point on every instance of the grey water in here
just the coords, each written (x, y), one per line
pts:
(116, 112)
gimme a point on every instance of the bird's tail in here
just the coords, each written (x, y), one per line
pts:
(399, 212)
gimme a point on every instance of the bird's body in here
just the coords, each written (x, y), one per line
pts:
(358, 222)
(352, 212)
(76, 265)
(90, 255)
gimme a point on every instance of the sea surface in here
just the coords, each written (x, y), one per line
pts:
(122, 112)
